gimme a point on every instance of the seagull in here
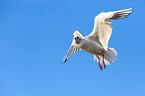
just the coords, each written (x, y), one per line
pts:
(96, 42)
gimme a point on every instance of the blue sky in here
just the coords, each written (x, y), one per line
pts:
(36, 34)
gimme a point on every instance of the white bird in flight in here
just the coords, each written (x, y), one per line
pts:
(96, 42)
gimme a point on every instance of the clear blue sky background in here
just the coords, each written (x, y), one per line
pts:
(36, 34)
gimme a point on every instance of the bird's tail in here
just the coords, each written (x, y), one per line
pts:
(109, 56)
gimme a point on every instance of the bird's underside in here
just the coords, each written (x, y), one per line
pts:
(96, 42)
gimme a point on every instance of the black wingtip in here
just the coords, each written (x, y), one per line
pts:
(132, 9)
(64, 61)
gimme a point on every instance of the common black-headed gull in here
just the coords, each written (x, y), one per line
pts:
(96, 42)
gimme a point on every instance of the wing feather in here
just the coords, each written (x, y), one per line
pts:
(73, 49)
(103, 27)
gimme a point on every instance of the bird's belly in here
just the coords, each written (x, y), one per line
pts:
(93, 48)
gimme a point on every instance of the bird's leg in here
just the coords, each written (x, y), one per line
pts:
(99, 63)
(103, 61)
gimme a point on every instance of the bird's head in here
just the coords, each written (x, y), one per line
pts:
(77, 39)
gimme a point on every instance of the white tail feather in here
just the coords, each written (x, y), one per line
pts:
(109, 56)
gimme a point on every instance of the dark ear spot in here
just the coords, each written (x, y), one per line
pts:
(78, 37)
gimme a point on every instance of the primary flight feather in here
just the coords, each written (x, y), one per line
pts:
(96, 42)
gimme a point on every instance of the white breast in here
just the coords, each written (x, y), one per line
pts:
(91, 47)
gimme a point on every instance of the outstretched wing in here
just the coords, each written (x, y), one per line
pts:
(73, 49)
(102, 25)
